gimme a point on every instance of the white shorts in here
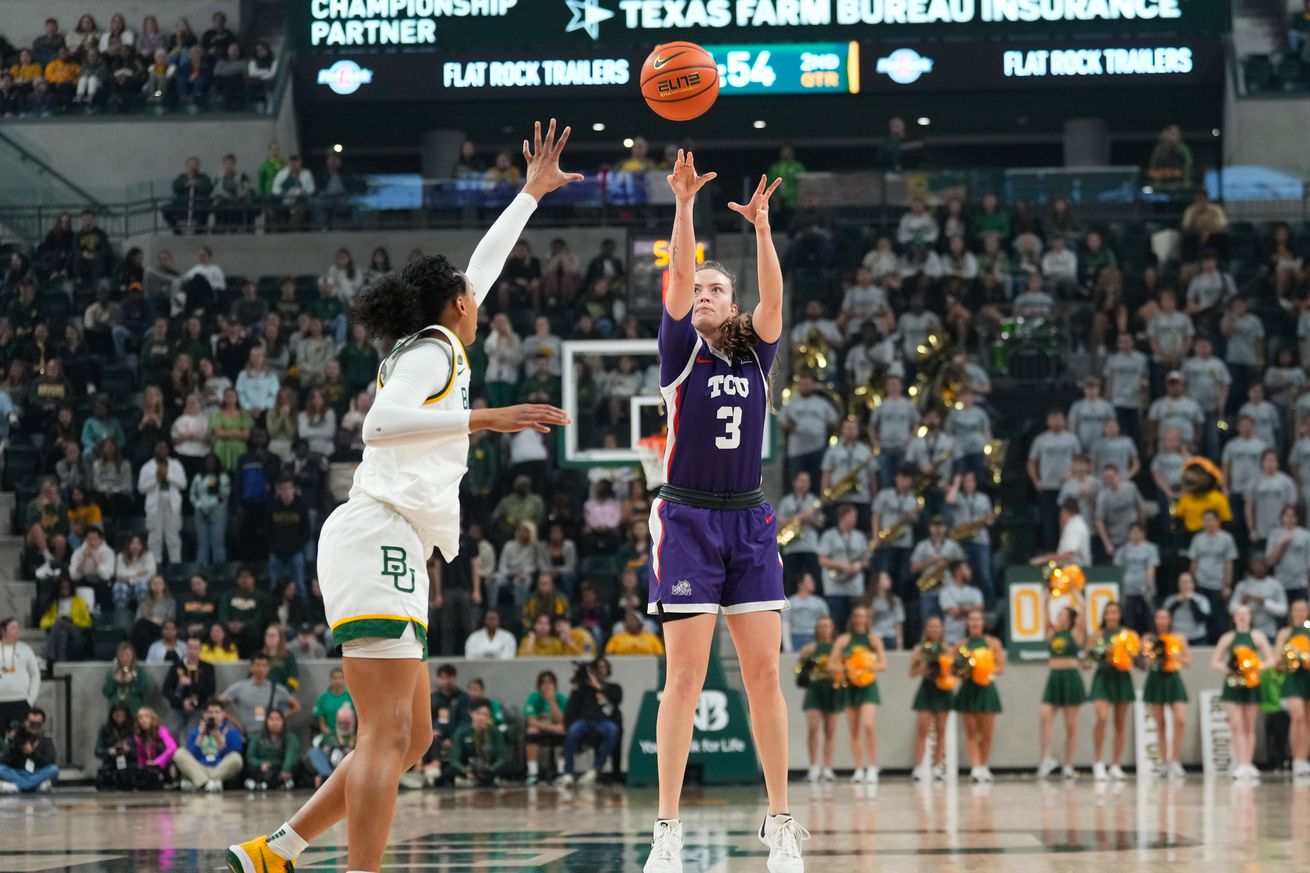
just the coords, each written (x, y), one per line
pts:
(407, 648)
(372, 569)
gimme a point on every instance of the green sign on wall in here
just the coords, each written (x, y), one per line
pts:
(721, 745)
(1028, 612)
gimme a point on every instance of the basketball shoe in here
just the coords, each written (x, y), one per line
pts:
(254, 856)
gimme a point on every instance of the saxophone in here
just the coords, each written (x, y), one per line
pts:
(788, 533)
(932, 577)
(967, 530)
(846, 484)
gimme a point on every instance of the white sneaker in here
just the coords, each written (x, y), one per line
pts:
(1300, 769)
(858, 776)
(565, 781)
(870, 775)
(987, 774)
(1117, 773)
(783, 836)
(251, 785)
(588, 778)
(922, 773)
(1251, 773)
(188, 785)
(213, 786)
(828, 775)
(8, 788)
(1099, 773)
(665, 848)
(813, 775)
(1176, 771)
(1046, 768)
(939, 773)
(1068, 772)
(976, 774)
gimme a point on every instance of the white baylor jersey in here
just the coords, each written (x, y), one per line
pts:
(420, 480)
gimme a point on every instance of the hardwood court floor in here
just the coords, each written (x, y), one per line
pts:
(1014, 825)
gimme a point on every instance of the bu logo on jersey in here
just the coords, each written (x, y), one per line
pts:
(733, 386)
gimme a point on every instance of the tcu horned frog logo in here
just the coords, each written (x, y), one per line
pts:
(395, 565)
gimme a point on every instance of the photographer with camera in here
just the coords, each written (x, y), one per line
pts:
(28, 763)
(478, 756)
(189, 686)
(592, 715)
(213, 752)
(116, 749)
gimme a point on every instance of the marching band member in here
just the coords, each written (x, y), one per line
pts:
(1293, 647)
(801, 511)
(971, 512)
(934, 699)
(822, 699)
(1064, 690)
(980, 657)
(1112, 689)
(1239, 656)
(858, 656)
(930, 561)
(1165, 653)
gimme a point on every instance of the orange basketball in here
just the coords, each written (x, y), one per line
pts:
(680, 81)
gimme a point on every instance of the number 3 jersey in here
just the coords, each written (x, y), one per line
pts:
(716, 408)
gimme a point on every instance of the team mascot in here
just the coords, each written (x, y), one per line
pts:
(1203, 490)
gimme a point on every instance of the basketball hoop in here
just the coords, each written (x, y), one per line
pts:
(650, 451)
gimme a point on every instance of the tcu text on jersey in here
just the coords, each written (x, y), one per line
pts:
(733, 386)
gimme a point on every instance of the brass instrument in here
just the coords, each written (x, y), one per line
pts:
(924, 481)
(788, 533)
(967, 530)
(814, 356)
(933, 576)
(837, 577)
(930, 354)
(994, 453)
(846, 484)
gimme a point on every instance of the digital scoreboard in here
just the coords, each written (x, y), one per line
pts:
(648, 271)
(788, 68)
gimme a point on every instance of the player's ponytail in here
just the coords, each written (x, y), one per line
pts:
(403, 303)
(737, 334)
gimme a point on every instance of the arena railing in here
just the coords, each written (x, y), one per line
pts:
(608, 198)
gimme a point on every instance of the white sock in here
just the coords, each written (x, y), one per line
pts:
(532, 768)
(286, 843)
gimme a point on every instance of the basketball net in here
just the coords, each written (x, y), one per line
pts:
(650, 451)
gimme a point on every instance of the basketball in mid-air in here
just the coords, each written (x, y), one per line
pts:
(680, 81)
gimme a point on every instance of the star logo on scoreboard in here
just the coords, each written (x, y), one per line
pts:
(587, 16)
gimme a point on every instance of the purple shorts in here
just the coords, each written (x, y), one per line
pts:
(707, 560)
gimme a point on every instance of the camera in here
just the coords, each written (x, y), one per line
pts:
(211, 725)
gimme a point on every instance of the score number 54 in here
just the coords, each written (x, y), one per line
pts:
(742, 71)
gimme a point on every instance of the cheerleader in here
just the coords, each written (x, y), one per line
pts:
(860, 700)
(1293, 647)
(1239, 656)
(933, 700)
(1111, 695)
(1165, 654)
(978, 701)
(822, 698)
(1064, 689)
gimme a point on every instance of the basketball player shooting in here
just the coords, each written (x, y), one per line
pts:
(373, 550)
(715, 537)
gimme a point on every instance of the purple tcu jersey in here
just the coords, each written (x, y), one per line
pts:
(716, 410)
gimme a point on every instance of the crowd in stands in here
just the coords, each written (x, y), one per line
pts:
(94, 68)
(170, 433)
(1194, 344)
